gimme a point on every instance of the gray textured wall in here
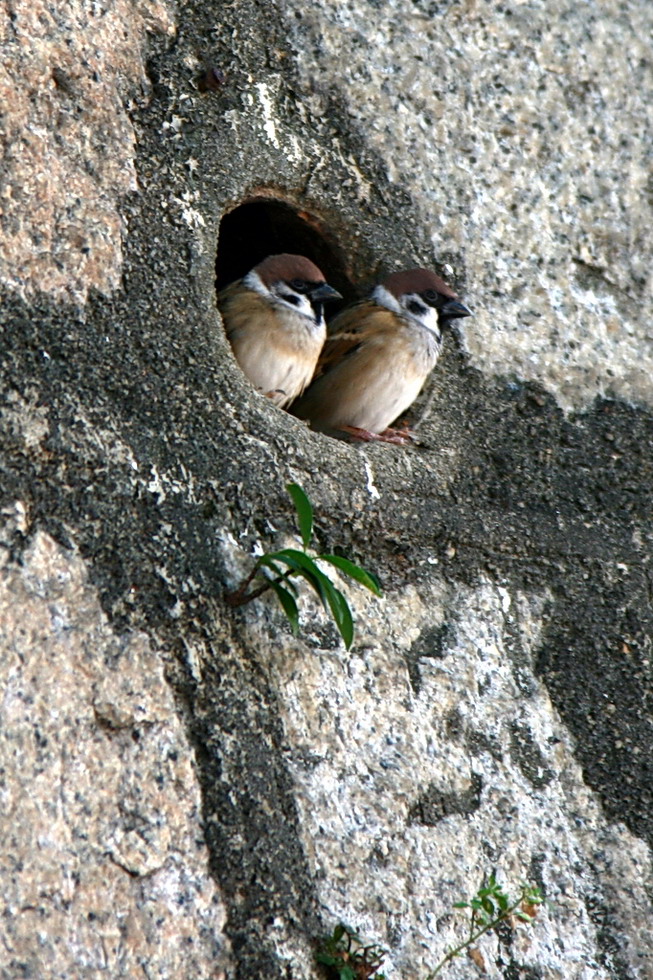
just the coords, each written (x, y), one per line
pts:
(190, 792)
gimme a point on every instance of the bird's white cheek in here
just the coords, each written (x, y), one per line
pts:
(299, 304)
(305, 307)
(430, 321)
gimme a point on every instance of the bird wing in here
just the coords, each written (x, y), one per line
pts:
(368, 372)
(238, 305)
(351, 329)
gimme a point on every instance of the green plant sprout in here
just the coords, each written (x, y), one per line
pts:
(300, 564)
(343, 951)
(349, 959)
(489, 907)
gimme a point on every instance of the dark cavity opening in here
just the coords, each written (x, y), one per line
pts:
(263, 226)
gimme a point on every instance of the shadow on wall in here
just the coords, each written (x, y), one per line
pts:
(263, 226)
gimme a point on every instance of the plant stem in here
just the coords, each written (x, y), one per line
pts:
(240, 597)
(472, 939)
(472, 924)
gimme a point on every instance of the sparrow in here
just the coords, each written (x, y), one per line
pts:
(274, 321)
(378, 355)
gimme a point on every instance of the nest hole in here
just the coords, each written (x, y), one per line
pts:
(263, 226)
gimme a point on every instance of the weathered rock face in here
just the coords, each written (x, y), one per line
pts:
(102, 851)
(68, 145)
(191, 791)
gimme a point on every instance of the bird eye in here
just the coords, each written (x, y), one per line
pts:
(430, 295)
(298, 285)
(416, 308)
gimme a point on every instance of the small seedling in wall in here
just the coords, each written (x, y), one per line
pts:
(348, 958)
(489, 907)
(279, 570)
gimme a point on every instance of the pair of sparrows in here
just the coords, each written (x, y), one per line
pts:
(370, 367)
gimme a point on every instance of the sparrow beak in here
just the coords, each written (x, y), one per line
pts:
(323, 293)
(454, 309)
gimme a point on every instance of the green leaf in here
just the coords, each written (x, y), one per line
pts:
(287, 557)
(523, 917)
(461, 905)
(368, 579)
(288, 605)
(301, 564)
(340, 611)
(534, 895)
(294, 558)
(327, 959)
(332, 599)
(265, 562)
(304, 511)
(269, 562)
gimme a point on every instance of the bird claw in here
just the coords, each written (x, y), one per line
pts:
(398, 437)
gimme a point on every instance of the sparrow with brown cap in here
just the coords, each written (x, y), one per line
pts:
(378, 355)
(274, 321)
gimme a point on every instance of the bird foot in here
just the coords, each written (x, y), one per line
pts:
(398, 437)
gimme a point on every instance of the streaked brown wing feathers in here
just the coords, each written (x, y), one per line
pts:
(350, 329)
(238, 306)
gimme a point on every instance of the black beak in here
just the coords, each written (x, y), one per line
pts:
(453, 310)
(324, 292)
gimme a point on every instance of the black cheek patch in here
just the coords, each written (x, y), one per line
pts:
(414, 307)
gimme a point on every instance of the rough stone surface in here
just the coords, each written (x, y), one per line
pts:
(494, 712)
(103, 863)
(414, 785)
(533, 114)
(68, 74)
